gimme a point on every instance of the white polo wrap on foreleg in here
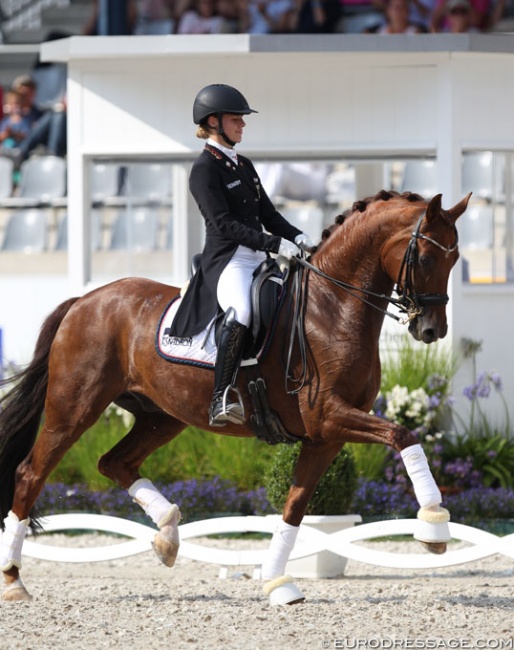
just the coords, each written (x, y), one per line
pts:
(425, 488)
(155, 505)
(279, 550)
(12, 541)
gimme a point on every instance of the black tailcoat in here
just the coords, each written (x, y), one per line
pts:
(235, 208)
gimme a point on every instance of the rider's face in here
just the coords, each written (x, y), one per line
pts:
(233, 126)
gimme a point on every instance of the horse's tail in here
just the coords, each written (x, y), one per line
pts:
(21, 408)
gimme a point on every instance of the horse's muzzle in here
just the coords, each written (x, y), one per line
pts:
(428, 329)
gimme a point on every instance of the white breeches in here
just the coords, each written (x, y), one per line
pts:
(235, 282)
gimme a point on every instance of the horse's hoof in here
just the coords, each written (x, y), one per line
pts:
(16, 591)
(166, 549)
(283, 591)
(437, 548)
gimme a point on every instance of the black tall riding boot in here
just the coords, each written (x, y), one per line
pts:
(230, 347)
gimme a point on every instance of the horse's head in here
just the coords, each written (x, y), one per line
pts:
(421, 258)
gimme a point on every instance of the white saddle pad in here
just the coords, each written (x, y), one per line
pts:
(199, 350)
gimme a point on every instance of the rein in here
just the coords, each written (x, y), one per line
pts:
(409, 302)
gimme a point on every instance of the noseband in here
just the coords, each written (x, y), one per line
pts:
(410, 302)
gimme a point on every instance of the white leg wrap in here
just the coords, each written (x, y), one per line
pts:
(12, 541)
(280, 548)
(425, 488)
(155, 505)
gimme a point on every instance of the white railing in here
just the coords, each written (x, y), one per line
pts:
(309, 542)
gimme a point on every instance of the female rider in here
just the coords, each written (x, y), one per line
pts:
(235, 208)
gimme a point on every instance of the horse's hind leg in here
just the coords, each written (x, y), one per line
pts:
(31, 475)
(121, 464)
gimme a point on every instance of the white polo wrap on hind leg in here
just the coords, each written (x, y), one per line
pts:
(425, 488)
(279, 550)
(155, 505)
(12, 541)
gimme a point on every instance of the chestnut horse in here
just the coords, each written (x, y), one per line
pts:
(100, 348)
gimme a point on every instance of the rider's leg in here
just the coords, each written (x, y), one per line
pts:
(233, 292)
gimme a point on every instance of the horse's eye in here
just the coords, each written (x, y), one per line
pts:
(426, 261)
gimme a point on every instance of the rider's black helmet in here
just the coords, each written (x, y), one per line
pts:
(217, 99)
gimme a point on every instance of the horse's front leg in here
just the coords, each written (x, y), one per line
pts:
(312, 463)
(433, 530)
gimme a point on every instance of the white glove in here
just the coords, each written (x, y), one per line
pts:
(287, 249)
(303, 241)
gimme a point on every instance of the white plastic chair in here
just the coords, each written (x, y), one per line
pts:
(42, 183)
(6, 172)
(420, 177)
(26, 231)
(147, 184)
(61, 243)
(135, 229)
(104, 184)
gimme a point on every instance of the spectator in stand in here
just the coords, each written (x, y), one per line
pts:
(201, 18)
(272, 16)
(397, 20)
(26, 88)
(235, 16)
(317, 16)
(48, 135)
(14, 127)
(474, 16)
(121, 27)
(458, 18)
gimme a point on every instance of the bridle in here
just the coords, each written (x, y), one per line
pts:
(409, 301)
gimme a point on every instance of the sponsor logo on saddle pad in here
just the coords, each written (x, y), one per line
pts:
(199, 350)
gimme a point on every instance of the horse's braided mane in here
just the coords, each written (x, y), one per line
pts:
(360, 206)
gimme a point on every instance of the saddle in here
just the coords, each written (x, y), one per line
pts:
(266, 296)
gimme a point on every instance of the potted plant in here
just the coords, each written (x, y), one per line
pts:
(329, 508)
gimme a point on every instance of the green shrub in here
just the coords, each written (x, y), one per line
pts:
(334, 493)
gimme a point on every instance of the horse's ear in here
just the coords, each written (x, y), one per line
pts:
(434, 208)
(458, 209)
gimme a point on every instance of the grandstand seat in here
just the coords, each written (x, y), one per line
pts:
(147, 184)
(135, 229)
(26, 231)
(105, 182)
(6, 172)
(61, 243)
(420, 177)
(42, 183)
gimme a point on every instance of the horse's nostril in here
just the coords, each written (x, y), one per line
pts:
(429, 335)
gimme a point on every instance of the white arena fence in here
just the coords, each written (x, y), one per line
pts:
(310, 541)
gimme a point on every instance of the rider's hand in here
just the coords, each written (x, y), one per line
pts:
(304, 241)
(287, 249)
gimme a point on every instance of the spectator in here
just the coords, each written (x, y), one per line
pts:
(116, 24)
(48, 134)
(478, 19)
(317, 16)
(235, 16)
(272, 16)
(26, 88)
(459, 17)
(14, 127)
(397, 19)
(202, 18)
